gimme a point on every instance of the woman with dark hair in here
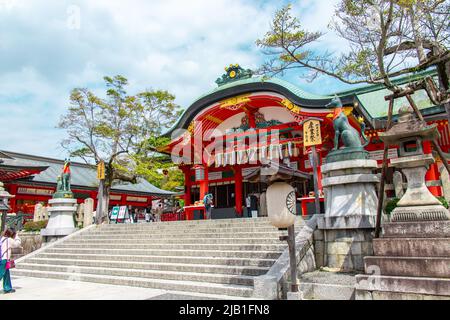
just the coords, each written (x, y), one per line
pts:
(8, 241)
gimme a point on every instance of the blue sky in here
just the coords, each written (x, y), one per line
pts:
(49, 47)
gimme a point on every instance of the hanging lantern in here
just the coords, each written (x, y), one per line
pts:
(199, 173)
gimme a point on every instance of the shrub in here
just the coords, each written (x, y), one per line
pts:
(391, 205)
(35, 226)
(443, 201)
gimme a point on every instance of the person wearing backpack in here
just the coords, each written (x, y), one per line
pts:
(8, 241)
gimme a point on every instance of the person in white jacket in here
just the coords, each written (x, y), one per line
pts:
(8, 241)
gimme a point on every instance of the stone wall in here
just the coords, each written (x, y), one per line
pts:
(31, 241)
(345, 249)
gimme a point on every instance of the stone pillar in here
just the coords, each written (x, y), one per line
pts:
(44, 213)
(398, 184)
(61, 222)
(80, 214)
(350, 212)
(445, 181)
(88, 212)
(37, 212)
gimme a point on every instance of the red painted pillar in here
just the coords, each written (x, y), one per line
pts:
(238, 192)
(204, 184)
(187, 185)
(432, 173)
(12, 189)
(123, 200)
(319, 170)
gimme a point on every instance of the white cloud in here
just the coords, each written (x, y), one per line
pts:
(181, 46)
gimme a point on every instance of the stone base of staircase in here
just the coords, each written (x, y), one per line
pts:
(221, 257)
(411, 261)
(323, 285)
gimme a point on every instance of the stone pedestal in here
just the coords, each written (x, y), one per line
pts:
(350, 212)
(417, 204)
(61, 221)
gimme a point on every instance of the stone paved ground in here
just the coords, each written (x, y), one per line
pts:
(28, 288)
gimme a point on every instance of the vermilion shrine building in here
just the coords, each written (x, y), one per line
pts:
(32, 179)
(216, 139)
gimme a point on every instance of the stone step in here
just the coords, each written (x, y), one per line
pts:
(180, 267)
(139, 273)
(176, 285)
(184, 225)
(323, 291)
(123, 232)
(417, 229)
(167, 246)
(112, 240)
(323, 285)
(412, 247)
(231, 261)
(197, 222)
(409, 266)
(401, 284)
(165, 235)
(260, 254)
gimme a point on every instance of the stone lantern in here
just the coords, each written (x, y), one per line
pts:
(4, 196)
(417, 204)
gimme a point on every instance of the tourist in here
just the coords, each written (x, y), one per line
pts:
(208, 203)
(8, 241)
(147, 215)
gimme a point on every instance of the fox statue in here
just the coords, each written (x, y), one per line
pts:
(342, 128)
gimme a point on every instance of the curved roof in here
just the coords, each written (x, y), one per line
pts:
(254, 84)
(370, 98)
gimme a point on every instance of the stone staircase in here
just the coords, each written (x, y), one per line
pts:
(219, 257)
(412, 261)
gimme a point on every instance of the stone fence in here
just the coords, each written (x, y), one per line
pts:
(83, 218)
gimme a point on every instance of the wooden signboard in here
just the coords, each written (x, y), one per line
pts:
(101, 170)
(311, 133)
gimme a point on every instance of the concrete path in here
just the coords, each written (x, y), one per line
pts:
(28, 288)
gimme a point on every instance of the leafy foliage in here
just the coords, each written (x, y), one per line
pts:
(120, 129)
(35, 226)
(386, 38)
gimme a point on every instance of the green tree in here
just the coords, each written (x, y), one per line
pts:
(387, 38)
(117, 130)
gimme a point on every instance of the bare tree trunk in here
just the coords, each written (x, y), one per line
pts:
(99, 210)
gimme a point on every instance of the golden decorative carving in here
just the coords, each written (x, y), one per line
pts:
(290, 106)
(235, 103)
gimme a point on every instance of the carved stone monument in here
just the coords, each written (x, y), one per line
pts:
(62, 209)
(350, 197)
(417, 204)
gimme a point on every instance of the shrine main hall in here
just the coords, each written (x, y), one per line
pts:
(225, 139)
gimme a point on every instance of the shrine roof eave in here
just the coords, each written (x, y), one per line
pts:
(284, 88)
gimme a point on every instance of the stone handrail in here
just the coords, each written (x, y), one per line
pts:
(273, 285)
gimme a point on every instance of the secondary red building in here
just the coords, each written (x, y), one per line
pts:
(32, 179)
